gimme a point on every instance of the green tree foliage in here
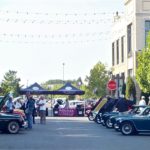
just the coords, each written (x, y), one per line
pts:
(10, 83)
(97, 81)
(130, 89)
(143, 69)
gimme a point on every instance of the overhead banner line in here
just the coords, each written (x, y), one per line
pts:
(38, 21)
(57, 14)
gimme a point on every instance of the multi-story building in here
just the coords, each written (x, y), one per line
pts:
(129, 33)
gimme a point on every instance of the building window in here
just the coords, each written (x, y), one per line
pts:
(122, 49)
(117, 48)
(130, 72)
(129, 39)
(147, 29)
(113, 54)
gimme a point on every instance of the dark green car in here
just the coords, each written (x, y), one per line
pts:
(134, 124)
(10, 122)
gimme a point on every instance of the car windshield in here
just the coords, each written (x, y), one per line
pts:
(145, 112)
(137, 110)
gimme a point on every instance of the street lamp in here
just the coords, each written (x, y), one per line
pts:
(63, 70)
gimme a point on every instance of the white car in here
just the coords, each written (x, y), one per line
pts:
(74, 103)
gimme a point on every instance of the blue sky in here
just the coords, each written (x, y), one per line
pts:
(38, 36)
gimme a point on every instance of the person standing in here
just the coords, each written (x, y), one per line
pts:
(18, 104)
(42, 109)
(149, 100)
(34, 111)
(29, 107)
(142, 102)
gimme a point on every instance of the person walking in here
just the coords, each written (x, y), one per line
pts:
(29, 107)
(42, 109)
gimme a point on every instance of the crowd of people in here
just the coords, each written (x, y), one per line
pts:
(30, 106)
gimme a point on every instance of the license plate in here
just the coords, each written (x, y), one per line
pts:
(80, 112)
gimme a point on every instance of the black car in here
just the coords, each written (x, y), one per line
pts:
(105, 117)
(106, 110)
(10, 122)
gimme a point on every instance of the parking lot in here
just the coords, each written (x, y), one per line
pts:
(72, 134)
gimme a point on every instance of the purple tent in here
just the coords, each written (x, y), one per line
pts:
(67, 89)
(34, 89)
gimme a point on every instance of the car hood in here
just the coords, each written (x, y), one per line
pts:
(110, 113)
(120, 116)
(130, 117)
(3, 101)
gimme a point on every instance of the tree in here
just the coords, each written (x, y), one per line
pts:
(97, 81)
(143, 68)
(130, 89)
(10, 83)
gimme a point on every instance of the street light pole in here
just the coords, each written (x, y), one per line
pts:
(63, 71)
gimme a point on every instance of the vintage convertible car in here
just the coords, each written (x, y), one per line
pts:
(134, 124)
(16, 111)
(10, 122)
(136, 109)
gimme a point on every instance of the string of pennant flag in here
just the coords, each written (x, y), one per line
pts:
(57, 14)
(55, 18)
(50, 21)
(52, 42)
(28, 18)
(88, 34)
(54, 38)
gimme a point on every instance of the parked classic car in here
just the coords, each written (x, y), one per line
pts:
(134, 124)
(105, 116)
(10, 122)
(136, 109)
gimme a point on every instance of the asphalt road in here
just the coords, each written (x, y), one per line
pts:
(72, 134)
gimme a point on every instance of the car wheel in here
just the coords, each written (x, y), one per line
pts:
(98, 119)
(127, 128)
(13, 127)
(108, 125)
(90, 117)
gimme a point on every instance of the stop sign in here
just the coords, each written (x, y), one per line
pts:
(112, 85)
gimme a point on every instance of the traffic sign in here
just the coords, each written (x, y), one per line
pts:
(112, 85)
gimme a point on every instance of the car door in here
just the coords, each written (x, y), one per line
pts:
(2, 122)
(143, 123)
